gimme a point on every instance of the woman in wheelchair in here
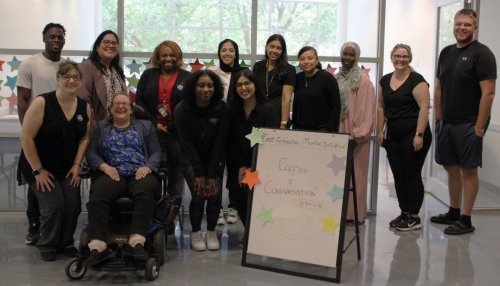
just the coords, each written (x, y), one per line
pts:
(125, 155)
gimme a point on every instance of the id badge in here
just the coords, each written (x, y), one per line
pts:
(163, 112)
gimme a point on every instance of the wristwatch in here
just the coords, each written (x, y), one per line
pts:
(420, 134)
(37, 172)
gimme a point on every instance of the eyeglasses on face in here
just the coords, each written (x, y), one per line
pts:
(401, 57)
(68, 77)
(245, 84)
(119, 103)
(108, 43)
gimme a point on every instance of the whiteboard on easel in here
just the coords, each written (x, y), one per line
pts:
(297, 207)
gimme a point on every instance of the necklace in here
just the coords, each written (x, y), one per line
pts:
(268, 82)
(307, 81)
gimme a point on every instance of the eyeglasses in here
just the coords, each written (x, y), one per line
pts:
(245, 84)
(108, 43)
(68, 77)
(401, 57)
(118, 103)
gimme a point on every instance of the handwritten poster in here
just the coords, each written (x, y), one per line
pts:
(297, 205)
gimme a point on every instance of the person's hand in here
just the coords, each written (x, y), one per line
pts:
(211, 186)
(418, 143)
(74, 174)
(142, 172)
(199, 185)
(44, 181)
(241, 173)
(479, 132)
(160, 127)
(112, 172)
(380, 138)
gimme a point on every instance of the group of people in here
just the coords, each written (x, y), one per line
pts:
(194, 124)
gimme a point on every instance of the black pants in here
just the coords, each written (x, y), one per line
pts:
(104, 191)
(174, 162)
(406, 164)
(33, 210)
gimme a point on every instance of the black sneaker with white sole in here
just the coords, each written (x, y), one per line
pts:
(397, 220)
(408, 223)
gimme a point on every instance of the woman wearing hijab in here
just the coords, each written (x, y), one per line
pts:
(357, 98)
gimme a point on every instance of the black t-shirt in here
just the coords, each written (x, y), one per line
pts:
(400, 103)
(460, 70)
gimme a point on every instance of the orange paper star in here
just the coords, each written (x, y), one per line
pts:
(251, 178)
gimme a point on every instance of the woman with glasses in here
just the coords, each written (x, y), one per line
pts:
(249, 109)
(316, 103)
(103, 75)
(201, 119)
(56, 123)
(125, 155)
(403, 105)
(277, 78)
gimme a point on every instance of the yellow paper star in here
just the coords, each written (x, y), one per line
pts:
(329, 224)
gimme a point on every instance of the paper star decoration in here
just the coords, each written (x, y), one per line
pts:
(148, 64)
(330, 69)
(132, 81)
(336, 193)
(14, 64)
(11, 82)
(209, 64)
(256, 137)
(196, 66)
(265, 215)
(329, 224)
(337, 164)
(1, 81)
(251, 178)
(244, 65)
(12, 100)
(134, 67)
(1, 64)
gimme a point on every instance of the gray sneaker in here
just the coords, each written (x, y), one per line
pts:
(232, 216)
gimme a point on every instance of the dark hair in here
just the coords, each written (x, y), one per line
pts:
(282, 62)
(309, 48)
(94, 55)
(53, 25)
(155, 58)
(190, 87)
(236, 101)
(236, 65)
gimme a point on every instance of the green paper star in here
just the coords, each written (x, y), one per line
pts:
(134, 67)
(244, 65)
(256, 137)
(1, 81)
(209, 64)
(265, 215)
(132, 81)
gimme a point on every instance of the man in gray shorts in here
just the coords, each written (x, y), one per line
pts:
(463, 96)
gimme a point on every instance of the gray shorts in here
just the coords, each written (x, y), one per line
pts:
(458, 145)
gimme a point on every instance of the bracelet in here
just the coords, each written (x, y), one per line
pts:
(77, 164)
(283, 122)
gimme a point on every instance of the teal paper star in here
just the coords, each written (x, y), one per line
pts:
(132, 81)
(11, 82)
(148, 64)
(14, 64)
(336, 193)
(244, 65)
(256, 137)
(265, 215)
(134, 67)
(209, 64)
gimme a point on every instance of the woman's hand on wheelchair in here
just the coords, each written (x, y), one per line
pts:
(142, 172)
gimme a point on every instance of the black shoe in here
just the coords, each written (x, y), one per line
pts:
(397, 220)
(96, 257)
(33, 234)
(70, 251)
(458, 228)
(408, 223)
(138, 252)
(48, 254)
(445, 218)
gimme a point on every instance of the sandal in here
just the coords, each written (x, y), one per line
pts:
(458, 228)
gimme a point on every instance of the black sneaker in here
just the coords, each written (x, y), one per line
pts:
(138, 252)
(397, 220)
(70, 251)
(408, 223)
(48, 254)
(33, 234)
(96, 257)
(458, 228)
(445, 218)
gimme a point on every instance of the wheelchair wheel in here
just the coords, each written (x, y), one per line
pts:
(159, 246)
(151, 269)
(84, 241)
(75, 269)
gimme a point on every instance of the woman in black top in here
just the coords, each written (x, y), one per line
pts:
(277, 78)
(316, 103)
(201, 120)
(249, 109)
(54, 137)
(404, 106)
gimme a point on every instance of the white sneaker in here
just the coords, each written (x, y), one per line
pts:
(221, 220)
(197, 241)
(212, 241)
(232, 216)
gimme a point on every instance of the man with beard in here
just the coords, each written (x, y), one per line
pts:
(463, 96)
(37, 75)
